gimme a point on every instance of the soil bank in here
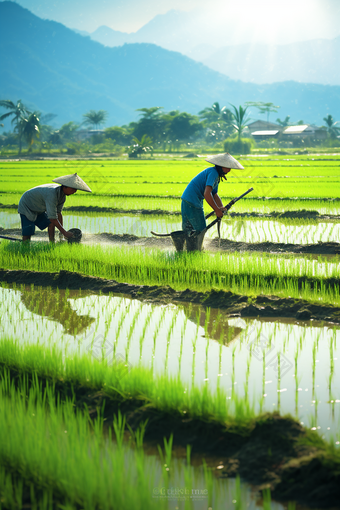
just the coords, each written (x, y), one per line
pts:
(234, 305)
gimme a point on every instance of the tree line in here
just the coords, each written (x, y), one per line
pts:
(154, 130)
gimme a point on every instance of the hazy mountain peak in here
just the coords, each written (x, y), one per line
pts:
(53, 69)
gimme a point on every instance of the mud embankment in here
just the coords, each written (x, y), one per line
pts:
(221, 245)
(266, 451)
(299, 214)
(234, 305)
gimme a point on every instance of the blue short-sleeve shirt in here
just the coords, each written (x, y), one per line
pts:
(194, 192)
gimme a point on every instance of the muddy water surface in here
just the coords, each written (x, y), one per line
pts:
(238, 229)
(287, 366)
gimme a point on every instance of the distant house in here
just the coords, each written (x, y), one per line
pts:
(85, 134)
(304, 130)
(264, 135)
(261, 125)
(261, 130)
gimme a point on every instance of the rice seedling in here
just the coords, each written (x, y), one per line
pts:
(211, 361)
(155, 336)
(131, 330)
(241, 273)
(98, 471)
(45, 435)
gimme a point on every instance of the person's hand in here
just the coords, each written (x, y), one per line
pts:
(68, 235)
(219, 213)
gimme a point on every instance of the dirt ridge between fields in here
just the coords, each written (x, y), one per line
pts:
(299, 214)
(227, 245)
(267, 451)
(234, 305)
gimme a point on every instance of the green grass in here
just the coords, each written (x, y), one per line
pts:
(249, 205)
(246, 273)
(62, 455)
(138, 385)
(279, 177)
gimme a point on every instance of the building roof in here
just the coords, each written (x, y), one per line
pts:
(272, 132)
(262, 124)
(295, 130)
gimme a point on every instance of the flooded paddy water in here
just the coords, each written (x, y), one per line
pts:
(289, 366)
(238, 229)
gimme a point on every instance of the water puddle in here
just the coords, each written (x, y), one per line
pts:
(279, 365)
(237, 229)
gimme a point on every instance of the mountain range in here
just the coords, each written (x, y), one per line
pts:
(313, 61)
(55, 70)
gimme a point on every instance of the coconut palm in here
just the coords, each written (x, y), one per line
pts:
(30, 129)
(217, 121)
(240, 120)
(285, 122)
(263, 107)
(95, 118)
(141, 146)
(332, 129)
(215, 113)
(19, 112)
(151, 123)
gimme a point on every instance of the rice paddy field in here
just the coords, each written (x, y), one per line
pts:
(134, 376)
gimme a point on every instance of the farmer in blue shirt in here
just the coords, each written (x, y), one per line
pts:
(205, 186)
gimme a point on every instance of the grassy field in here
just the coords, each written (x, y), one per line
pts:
(59, 434)
(80, 463)
(297, 177)
(249, 274)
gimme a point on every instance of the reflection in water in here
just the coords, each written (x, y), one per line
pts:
(55, 305)
(216, 324)
(290, 367)
(236, 229)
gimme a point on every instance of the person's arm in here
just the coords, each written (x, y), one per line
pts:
(210, 198)
(218, 201)
(59, 224)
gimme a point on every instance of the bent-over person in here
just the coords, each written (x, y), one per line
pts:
(42, 206)
(205, 187)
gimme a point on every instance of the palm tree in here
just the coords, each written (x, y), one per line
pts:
(285, 122)
(151, 123)
(217, 121)
(19, 111)
(240, 120)
(30, 129)
(95, 118)
(141, 146)
(263, 107)
(215, 112)
(332, 129)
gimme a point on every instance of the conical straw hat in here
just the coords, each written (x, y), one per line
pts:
(225, 160)
(73, 181)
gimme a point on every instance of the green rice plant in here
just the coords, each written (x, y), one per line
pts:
(170, 332)
(131, 330)
(97, 473)
(267, 500)
(155, 336)
(240, 273)
(143, 333)
(313, 367)
(167, 394)
(331, 365)
(43, 436)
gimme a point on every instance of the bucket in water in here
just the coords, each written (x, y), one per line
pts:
(77, 235)
(178, 238)
(195, 240)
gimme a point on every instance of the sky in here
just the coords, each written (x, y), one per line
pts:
(276, 21)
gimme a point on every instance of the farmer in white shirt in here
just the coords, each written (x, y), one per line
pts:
(41, 206)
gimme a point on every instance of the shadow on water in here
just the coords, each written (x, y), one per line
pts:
(216, 324)
(55, 306)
